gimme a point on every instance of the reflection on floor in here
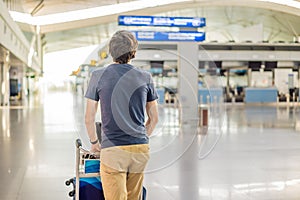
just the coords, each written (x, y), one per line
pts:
(246, 152)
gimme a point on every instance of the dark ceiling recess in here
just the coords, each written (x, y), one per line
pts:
(255, 65)
(270, 65)
(215, 64)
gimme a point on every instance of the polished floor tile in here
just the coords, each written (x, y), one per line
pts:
(246, 152)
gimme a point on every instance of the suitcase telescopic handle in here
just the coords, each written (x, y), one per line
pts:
(78, 143)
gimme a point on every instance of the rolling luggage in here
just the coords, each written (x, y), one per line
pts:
(88, 181)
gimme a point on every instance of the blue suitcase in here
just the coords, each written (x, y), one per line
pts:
(90, 188)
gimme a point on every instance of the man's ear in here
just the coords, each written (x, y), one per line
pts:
(132, 55)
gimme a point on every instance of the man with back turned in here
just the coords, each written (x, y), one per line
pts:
(125, 93)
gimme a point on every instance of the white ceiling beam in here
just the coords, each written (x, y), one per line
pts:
(106, 14)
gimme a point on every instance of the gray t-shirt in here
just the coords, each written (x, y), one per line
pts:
(123, 91)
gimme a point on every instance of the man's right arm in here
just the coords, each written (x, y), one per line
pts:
(91, 110)
(152, 112)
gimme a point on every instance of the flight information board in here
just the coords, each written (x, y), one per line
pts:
(169, 36)
(192, 22)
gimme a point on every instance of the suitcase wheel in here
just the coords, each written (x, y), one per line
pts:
(72, 193)
(68, 182)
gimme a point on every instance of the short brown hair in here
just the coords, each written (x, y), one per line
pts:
(123, 46)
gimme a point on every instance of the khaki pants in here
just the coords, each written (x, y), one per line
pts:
(122, 171)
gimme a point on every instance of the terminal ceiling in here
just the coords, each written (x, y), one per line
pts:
(225, 20)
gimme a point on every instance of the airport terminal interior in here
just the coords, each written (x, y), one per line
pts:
(226, 73)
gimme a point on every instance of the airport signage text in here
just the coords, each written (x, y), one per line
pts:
(169, 36)
(192, 22)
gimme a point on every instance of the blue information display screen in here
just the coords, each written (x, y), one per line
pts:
(169, 36)
(192, 22)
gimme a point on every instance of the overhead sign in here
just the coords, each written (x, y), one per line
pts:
(169, 36)
(192, 22)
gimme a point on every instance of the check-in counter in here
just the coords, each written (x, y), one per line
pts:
(261, 95)
(211, 95)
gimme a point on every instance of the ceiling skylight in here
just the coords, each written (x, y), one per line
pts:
(89, 13)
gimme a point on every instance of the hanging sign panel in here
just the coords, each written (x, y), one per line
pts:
(169, 36)
(192, 22)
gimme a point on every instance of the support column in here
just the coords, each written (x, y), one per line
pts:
(1, 81)
(249, 73)
(4, 81)
(188, 81)
(228, 82)
(39, 47)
